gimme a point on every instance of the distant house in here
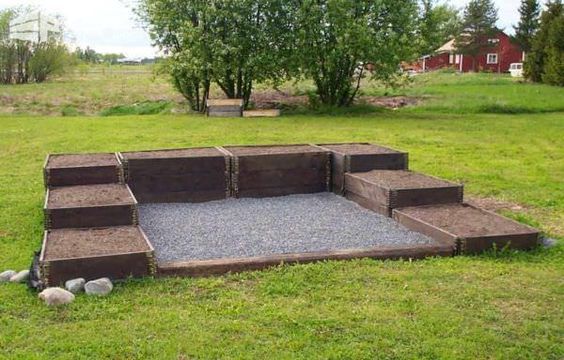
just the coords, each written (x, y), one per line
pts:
(497, 57)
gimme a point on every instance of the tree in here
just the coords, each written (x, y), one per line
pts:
(528, 23)
(336, 38)
(437, 24)
(545, 61)
(478, 25)
(48, 58)
(234, 43)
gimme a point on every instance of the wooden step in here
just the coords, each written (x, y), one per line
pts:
(472, 229)
(115, 252)
(88, 206)
(82, 169)
(361, 157)
(384, 190)
(178, 175)
(224, 107)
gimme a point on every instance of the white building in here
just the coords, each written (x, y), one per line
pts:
(36, 27)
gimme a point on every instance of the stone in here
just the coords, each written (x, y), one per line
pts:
(56, 296)
(20, 277)
(7, 275)
(75, 285)
(99, 287)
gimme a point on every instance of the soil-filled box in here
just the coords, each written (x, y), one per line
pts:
(115, 252)
(265, 171)
(82, 169)
(88, 206)
(472, 229)
(179, 175)
(384, 190)
(361, 157)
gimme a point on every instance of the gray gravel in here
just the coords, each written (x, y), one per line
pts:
(253, 227)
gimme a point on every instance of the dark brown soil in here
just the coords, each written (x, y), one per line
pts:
(81, 160)
(72, 243)
(390, 102)
(360, 149)
(465, 221)
(173, 153)
(264, 150)
(402, 179)
(89, 195)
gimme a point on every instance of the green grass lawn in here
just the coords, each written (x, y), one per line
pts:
(494, 306)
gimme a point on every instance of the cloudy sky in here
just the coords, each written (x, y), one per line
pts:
(110, 26)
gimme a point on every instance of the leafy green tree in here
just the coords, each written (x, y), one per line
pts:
(546, 48)
(437, 24)
(528, 23)
(478, 25)
(48, 58)
(335, 38)
(233, 43)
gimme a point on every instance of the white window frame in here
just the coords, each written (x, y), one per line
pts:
(491, 62)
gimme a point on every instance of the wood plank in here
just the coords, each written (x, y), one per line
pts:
(222, 266)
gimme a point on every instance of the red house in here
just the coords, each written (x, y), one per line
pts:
(497, 57)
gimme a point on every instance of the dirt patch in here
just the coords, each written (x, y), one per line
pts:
(495, 205)
(465, 221)
(273, 99)
(359, 149)
(389, 102)
(271, 150)
(81, 160)
(89, 195)
(402, 179)
(173, 153)
(73, 243)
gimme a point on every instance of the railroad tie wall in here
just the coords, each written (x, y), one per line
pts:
(264, 171)
(181, 175)
(82, 169)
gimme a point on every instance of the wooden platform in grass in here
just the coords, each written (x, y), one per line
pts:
(261, 113)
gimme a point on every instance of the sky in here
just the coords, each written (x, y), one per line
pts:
(110, 25)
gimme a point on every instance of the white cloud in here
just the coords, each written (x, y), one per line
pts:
(109, 25)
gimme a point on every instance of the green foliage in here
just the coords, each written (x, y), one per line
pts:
(528, 23)
(545, 61)
(231, 43)
(478, 25)
(69, 110)
(48, 58)
(336, 38)
(437, 24)
(143, 108)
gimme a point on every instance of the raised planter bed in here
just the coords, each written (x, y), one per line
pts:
(224, 107)
(88, 206)
(82, 169)
(264, 171)
(472, 229)
(361, 157)
(384, 190)
(179, 175)
(116, 252)
(261, 113)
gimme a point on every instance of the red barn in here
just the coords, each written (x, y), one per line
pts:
(496, 57)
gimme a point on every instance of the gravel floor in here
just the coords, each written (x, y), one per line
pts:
(253, 227)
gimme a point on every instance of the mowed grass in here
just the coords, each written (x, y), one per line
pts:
(495, 306)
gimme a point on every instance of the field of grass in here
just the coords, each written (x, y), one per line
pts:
(494, 306)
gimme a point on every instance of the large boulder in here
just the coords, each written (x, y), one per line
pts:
(99, 287)
(56, 296)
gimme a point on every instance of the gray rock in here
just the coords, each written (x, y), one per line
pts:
(7, 275)
(56, 296)
(20, 277)
(75, 285)
(99, 287)
(548, 242)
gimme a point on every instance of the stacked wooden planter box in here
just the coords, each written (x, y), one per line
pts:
(263, 171)
(377, 178)
(182, 175)
(91, 222)
(224, 107)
